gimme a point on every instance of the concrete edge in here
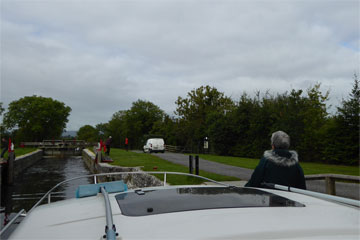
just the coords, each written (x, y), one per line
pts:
(133, 181)
(28, 154)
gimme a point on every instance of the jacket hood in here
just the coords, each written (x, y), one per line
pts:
(282, 157)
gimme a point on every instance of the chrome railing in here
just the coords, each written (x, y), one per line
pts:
(95, 176)
(110, 229)
(22, 213)
(351, 202)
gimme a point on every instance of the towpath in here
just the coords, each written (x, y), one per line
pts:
(209, 166)
(348, 190)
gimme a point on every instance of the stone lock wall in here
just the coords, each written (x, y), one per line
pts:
(27, 160)
(21, 163)
(132, 180)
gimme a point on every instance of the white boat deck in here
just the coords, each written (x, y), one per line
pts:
(85, 218)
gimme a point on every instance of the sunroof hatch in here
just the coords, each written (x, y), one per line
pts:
(197, 198)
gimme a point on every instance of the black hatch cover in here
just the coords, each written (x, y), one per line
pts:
(148, 202)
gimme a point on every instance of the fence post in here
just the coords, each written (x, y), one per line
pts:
(197, 165)
(10, 169)
(190, 164)
(330, 186)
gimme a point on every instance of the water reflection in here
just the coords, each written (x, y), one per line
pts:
(249, 196)
(35, 181)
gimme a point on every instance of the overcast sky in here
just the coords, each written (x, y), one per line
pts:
(98, 57)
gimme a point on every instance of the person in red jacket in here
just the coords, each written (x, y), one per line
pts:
(126, 144)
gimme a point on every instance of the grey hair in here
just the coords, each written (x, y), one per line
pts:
(280, 140)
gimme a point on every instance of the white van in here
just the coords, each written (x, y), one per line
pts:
(154, 145)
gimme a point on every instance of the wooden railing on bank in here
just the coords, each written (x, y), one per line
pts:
(176, 149)
(181, 149)
(330, 180)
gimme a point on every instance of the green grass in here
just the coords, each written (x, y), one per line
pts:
(21, 151)
(148, 162)
(250, 163)
(309, 168)
(318, 168)
(91, 149)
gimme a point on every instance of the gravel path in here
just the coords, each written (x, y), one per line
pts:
(349, 190)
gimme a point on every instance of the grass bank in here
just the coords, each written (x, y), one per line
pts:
(150, 162)
(309, 168)
(21, 151)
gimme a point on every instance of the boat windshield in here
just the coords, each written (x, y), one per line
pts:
(149, 202)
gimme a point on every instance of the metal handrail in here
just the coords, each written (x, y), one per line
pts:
(12, 220)
(132, 173)
(351, 202)
(109, 221)
(120, 173)
(110, 229)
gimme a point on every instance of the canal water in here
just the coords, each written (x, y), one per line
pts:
(35, 181)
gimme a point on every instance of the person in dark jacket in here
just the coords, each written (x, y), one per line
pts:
(108, 145)
(279, 165)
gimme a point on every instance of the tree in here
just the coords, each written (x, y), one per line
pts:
(37, 118)
(1, 109)
(88, 133)
(302, 117)
(314, 115)
(116, 127)
(289, 115)
(135, 123)
(2, 129)
(195, 110)
(342, 145)
(221, 132)
(144, 114)
(348, 113)
(140, 120)
(168, 129)
(242, 119)
(102, 130)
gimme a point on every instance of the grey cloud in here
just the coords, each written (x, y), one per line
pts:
(104, 56)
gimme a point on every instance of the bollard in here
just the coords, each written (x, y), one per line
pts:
(4, 175)
(330, 186)
(10, 168)
(190, 164)
(197, 165)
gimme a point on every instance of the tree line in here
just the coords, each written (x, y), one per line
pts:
(235, 128)
(243, 128)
